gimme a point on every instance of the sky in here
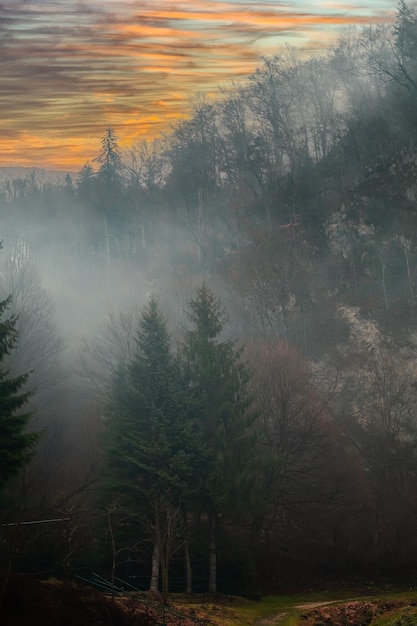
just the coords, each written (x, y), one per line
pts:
(70, 69)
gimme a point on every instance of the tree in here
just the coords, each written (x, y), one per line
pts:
(15, 442)
(38, 345)
(379, 419)
(218, 378)
(406, 46)
(194, 175)
(109, 159)
(114, 343)
(38, 348)
(296, 476)
(110, 187)
(85, 181)
(146, 169)
(152, 447)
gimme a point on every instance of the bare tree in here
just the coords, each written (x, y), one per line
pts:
(39, 348)
(101, 355)
(296, 471)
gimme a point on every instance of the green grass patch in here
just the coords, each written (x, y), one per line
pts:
(236, 611)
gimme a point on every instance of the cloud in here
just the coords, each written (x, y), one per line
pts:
(69, 69)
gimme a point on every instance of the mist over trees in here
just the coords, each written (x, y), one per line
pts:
(221, 330)
(16, 445)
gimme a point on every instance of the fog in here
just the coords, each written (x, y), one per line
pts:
(292, 196)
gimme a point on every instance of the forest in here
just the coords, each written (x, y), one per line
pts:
(208, 340)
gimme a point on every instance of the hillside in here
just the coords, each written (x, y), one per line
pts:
(221, 333)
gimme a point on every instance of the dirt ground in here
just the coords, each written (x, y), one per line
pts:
(30, 602)
(26, 601)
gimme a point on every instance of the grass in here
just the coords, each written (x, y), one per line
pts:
(234, 611)
(402, 617)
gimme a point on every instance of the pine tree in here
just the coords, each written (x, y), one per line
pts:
(110, 192)
(219, 378)
(85, 181)
(109, 160)
(16, 443)
(152, 447)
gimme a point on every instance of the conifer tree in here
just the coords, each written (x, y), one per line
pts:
(110, 192)
(15, 442)
(85, 180)
(152, 445)
(219, 378)
(109, 160)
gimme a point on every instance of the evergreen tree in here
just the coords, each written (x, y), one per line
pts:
(219, 378)
(15, 442)
(110, 192)
(109, 160)
(85, 181)
(152, 445)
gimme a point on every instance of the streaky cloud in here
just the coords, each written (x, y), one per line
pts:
(69, 69)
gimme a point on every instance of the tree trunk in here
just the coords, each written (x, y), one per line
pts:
(106, 239)
(165, 577)
(163, 539)
(188, 570)
(113, 550)
(154, 586)
(212, 586)
(410, 284)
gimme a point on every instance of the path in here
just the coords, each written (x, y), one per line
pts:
(278, 617)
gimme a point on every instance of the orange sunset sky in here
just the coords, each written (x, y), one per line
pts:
(70, 69)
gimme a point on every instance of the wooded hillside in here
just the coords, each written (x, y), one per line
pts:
(221, 330)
